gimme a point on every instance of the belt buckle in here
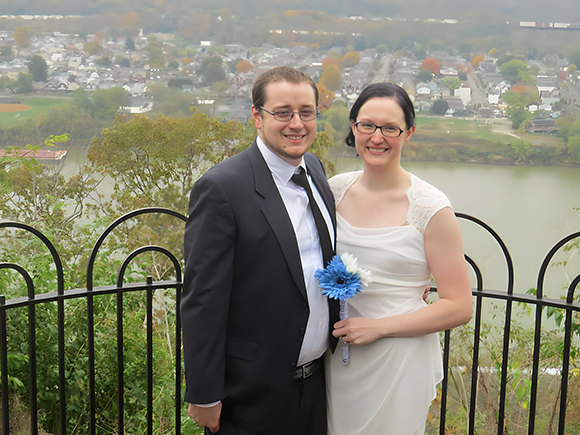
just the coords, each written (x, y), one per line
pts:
(306, 370)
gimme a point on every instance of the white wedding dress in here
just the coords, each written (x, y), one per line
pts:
(388, 385)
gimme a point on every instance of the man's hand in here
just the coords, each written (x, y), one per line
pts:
(206, 417)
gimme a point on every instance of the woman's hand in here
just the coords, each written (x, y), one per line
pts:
(357, 330)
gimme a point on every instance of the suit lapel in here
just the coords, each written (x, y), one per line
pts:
(275, 213)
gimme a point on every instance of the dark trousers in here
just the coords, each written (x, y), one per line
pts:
(306, 416)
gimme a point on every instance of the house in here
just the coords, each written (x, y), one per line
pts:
(541, 125)
(547, 83)
(464, 92)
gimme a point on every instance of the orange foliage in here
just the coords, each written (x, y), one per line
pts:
(331, 61)
(477, 60)
(244, 66)
(130, 20)
(99, 36)
(523, 88)
(325, 97)
(187, 31)
(186, 60)
(432, 65)
(331, 77)
(351, 58)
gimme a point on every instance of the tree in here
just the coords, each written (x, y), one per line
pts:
(574, 149)
(331, 77)
(21, 37)
(382, 48)
(574, 57)
(214, 72)
(510, 70)
(108, 101)
(432, 65)
(178, 82)
(122, 61)
(244, 66)
(477, 60)
(425, 76)
(462, 75)
(92, 47)
(23, 83)
(130, 20)
(5, 52)
(157, 161)
(350, 58)
(173, 64)
(38, 68)
(130, 43)
(331, 61)
(325, 97)
(440, 107)
(452, 83)
(207, 61)
(571, 70)
(156, 58)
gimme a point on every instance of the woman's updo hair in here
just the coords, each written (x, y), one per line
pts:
(382, 90)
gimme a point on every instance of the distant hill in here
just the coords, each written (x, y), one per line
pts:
(518, 10)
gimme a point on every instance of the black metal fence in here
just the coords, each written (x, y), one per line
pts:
(570, 308)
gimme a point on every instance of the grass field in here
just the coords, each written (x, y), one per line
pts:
(457, 129)
(39, 105)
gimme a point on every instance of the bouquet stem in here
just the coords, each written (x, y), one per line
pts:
(345, 346)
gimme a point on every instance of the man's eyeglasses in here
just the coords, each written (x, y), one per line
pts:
(386, 130)
(287, 115)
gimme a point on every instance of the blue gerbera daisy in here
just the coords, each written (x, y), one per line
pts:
(337, 282)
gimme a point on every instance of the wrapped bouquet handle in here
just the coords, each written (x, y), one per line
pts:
(341, 279)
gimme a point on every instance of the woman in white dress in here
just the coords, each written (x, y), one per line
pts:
(404, 231)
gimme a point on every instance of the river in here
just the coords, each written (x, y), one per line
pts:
(531, 208)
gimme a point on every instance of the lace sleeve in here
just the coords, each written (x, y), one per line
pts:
(340, 183)
(424, 201)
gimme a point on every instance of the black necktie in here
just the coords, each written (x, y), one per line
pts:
(325, 244)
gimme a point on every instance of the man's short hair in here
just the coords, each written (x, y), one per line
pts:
(279, 74)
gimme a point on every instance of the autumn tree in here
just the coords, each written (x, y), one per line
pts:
(432, 65)
(330, 60)
(325, 97)
(22, 36)
(477, 60)
(38, 68)
(130, 20)
(331, 77)
(244, 66)
(350, 58)
(92, 47)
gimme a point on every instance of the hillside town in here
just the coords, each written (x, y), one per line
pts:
(463, 87)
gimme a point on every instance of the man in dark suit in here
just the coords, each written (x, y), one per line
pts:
(255, 324)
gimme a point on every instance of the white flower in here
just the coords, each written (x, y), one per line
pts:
(351, 264)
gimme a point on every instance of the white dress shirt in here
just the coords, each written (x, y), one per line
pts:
(295, 199)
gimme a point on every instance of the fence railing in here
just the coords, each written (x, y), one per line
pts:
(60, 296)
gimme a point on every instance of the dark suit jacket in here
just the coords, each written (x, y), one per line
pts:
(244, 307)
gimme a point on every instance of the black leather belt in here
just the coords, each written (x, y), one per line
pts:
(307, 370)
